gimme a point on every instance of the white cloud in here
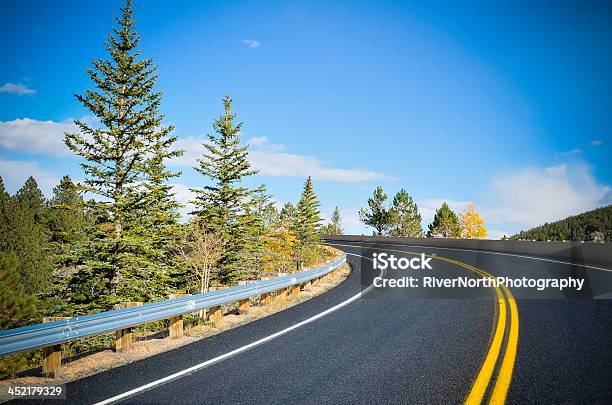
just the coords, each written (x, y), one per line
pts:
(193, 150)
(596, 142)
(270, 160)
(34, 136)
(573, 152)
(428, 207)
(263, 143)
(533, 196)
(495, 234)
(252, 43)
(184, 196)
(17, 88)
(15, 173)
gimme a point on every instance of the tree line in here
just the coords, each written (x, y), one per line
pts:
(401, 218)
(116, 236)
(592, 226)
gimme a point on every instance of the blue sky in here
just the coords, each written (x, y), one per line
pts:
(507, 106)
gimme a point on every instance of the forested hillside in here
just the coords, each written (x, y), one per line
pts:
(594, 226)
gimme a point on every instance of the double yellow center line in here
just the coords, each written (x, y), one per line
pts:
(506, 304)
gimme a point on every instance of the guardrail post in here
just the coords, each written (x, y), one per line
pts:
(52, 355)
(176, 330)
(123, 337)
(243, 306)
(307, 284)
(265, 299)
(280, 294)
(295, 291)
(215, 316)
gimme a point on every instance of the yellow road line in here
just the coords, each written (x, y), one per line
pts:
(502, 384)
(505, 372)
(481, 383)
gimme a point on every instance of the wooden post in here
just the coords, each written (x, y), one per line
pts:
(307, 285)
(215, 315)
(243, 306)
(295, 291)
(176, 329)
(52, 355)
(123, 337)
(280, 294)
(265, 299)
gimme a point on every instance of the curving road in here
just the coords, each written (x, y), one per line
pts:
(382, 348)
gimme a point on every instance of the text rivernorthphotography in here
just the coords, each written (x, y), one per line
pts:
(465, 282)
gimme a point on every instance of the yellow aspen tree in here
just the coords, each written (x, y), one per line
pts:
(472, 224)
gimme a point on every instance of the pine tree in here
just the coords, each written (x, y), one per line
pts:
(16, 306)
(406, 219)
(119, 164)
(5, 214)
(25, 233)
(222, 205)
(260, 216)
(157, 219)
(445, 224)
(334, 227)
(66, 218)
(376, 215)
(308, 217)
(287, 213)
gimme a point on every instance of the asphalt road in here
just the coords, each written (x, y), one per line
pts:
(386, 349)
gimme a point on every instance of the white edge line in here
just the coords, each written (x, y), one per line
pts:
(234, 352)
(478, 251)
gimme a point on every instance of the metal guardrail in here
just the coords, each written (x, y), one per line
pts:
(53, 333)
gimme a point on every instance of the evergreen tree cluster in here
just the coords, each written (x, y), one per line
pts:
(116, 236)
(401, 218)
(590, 226)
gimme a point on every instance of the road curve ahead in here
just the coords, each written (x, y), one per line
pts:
(349, 347)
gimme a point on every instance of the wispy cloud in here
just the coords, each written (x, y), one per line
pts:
(596, 142)
(573, 152)
(17, 88)
(271, 160)
(252, 43)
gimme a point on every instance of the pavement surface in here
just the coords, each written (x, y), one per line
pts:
(382, 348)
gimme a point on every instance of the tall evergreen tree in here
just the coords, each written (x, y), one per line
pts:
(16, 306)
(376, 215)
(66, 218)
(27, 236)
(308, 217)
(287, 213)
(406, 219)
(5, 214)
(334, 227)
(445, 224)
(222, 204)
(118, 165)
(258, 220)
(158, 215)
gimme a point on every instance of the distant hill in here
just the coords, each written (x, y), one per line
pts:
(593, 225)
